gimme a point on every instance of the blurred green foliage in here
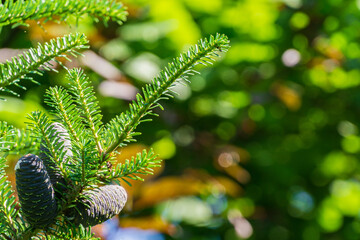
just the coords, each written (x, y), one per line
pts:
(279, 115)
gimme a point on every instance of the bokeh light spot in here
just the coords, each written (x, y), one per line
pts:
(329, 217)
(225, 160)
(346, 128)
(339, 40)
(351, 144)
(147, 62)
(190, 210)
(291, 57)
(197, 83)
(293, 3)
(299, 20)
(301, 202)
(251, 52)
(184, 135)
(338, 164)
(267, 70)
(183, 90)
(346, 196)
(242, 226)
(165, 147)
(203, 105)
(256, 112)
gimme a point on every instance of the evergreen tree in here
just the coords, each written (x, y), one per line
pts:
(67, 179)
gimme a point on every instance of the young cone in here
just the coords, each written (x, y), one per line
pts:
(36, 193)
(99, 205)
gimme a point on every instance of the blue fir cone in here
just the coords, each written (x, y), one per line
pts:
(53, 170)
(99, 205)
(35, 191)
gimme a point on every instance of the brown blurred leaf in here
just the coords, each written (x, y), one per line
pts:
(149, 223)
(42, 32)
(288, 96)
(216, 184)
(10, 172)
(192, 182)
(238, 173)
(165, 188)
(231, 188)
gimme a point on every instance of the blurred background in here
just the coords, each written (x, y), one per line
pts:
(263, 145)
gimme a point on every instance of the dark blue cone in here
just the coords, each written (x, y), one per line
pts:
(35, 191)
(100, 205)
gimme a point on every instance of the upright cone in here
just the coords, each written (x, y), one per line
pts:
(99, 205)
(36, 193)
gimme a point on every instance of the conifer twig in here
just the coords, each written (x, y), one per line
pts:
(121, 128)
(17, 12)
(19, 67)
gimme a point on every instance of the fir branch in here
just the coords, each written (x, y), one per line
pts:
(27, 233)
(11, 221)
(120, 129)
(19, 67)
(16, 141)
(65, 109)
(89, 108)
(142, 164)
(6, 134)
(5, 130)
(22, 142)
(67, 230)
(88, 136)
(43, 128)
(85, 171)
(17, 12)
